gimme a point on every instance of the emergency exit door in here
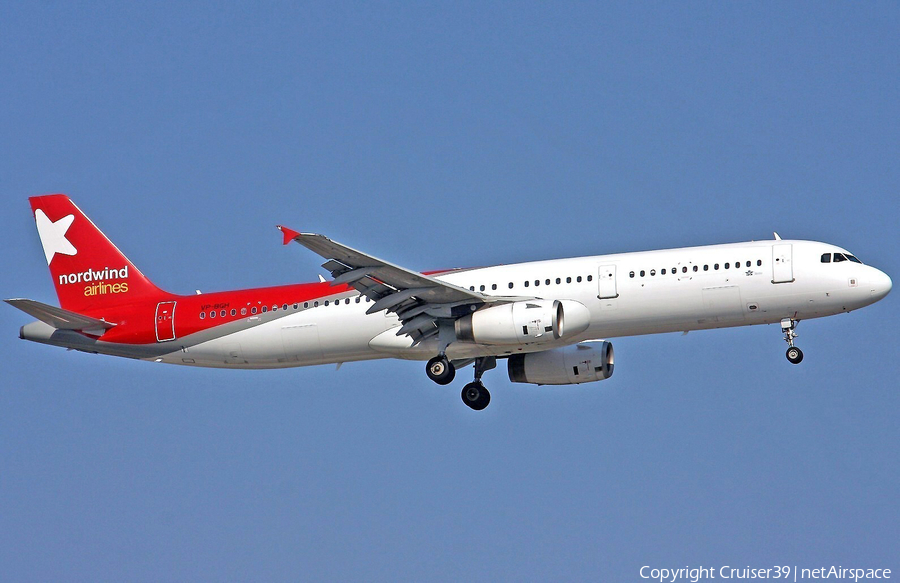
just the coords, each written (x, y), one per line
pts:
(606, 282)
(782, 269)
(165, 321)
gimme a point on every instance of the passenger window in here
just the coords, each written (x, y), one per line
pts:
(568, 280)
(284, 307)
(727, 265)
(253, 310)
(347, 302)
(578, 279)
(642, 273)
(748, 264)
(663, 271)
(684, 269)
(696, 269)
(202, 315)
(759, 262)
(305, 304)
(243, 311)
(510, 285)
(590, 278)
(558, 281)
(537, 282)
(706, 267)
(316, 304)
(265, 309)
(212, 314)
(526, 284)
(275, 308)
(326, 303)
(547, 282)
(716, 267)
(652, 272)
(481, 288)
(471, 288)
(493, 286)
(357, 299)
(222, 313)
(674, 270)
(630, 274)
(233, 312)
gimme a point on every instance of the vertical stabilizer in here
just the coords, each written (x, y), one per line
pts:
(88, 271)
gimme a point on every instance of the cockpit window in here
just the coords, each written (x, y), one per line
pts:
(838, 257)
(826, 257)
(853, 259)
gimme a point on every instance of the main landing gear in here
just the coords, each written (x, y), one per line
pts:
(474, 395)
(440, 370)
(794, 354)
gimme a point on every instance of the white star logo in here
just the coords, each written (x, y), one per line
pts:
(53, 235)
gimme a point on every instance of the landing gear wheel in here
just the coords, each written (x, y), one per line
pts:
(794, 355)
(476, 396)
(440, 370)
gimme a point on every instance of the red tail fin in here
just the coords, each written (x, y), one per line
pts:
(87, 269)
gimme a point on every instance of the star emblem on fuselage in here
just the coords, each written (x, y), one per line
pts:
(53, 235)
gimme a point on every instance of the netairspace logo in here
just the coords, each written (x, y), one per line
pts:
(786, 572)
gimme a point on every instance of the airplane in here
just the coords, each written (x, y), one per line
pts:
(550, 320)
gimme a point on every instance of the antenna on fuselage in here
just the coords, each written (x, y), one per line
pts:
(777, 236)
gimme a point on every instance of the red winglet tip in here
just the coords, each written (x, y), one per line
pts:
(289, 234)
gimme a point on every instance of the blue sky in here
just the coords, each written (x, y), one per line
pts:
(441, 135)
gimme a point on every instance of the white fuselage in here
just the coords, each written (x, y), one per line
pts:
(627, 294)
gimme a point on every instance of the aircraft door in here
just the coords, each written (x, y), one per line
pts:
(782, 268)
(165, 321)
(302, 343)
(606, 282)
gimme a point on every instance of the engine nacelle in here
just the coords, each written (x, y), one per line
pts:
(570, 365)
(524, 322)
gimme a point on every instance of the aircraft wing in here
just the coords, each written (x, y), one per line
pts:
(420, 301)
(57, 317)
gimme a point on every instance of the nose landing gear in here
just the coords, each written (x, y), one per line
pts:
(794, 354)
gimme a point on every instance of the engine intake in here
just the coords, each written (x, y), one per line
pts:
(571, 365)
(524, 322)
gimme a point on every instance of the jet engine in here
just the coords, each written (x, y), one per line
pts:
(582, 363)
(524, 322)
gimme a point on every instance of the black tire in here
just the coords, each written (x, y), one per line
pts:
(475, 396)
(794, 355)
(440, 370)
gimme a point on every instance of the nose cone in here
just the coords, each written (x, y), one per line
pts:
(880, 284)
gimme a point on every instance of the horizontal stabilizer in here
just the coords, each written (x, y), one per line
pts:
(57, 317)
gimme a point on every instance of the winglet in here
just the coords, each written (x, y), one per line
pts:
(289, 234)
